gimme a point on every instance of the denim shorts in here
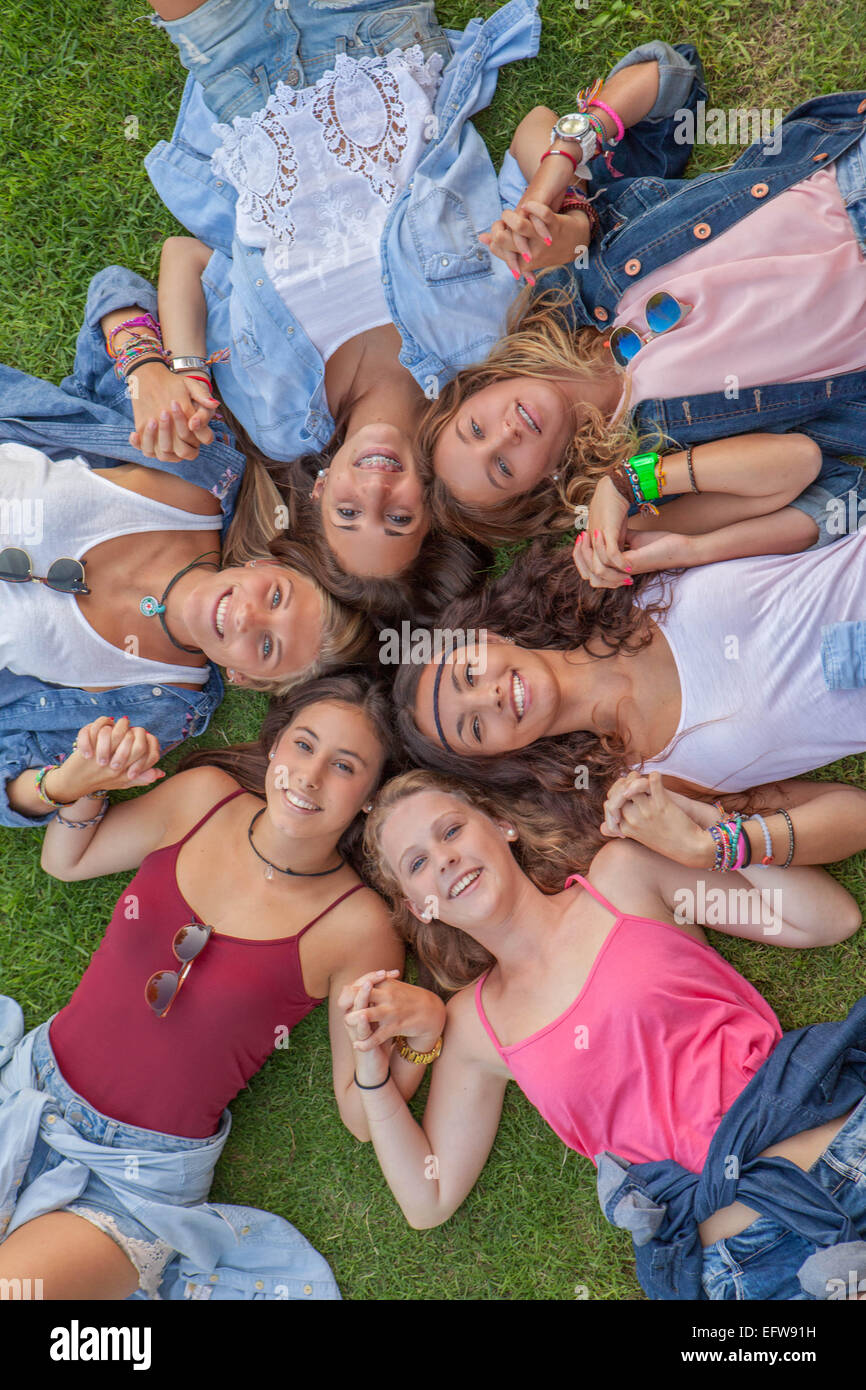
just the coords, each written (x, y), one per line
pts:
(762, 1261)
(836, 501)
(239, 52)
(98, 1204)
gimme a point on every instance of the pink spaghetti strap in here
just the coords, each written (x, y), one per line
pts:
(593, 892)
(207, 815)
(325, 910)
(479, 985)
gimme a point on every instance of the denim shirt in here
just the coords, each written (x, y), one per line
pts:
(646, 222)
(447, 295)
(90, 413)
(814, 1075)
(224, 1252)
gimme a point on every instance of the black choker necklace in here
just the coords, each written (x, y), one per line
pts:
(275, 868)
(152, 607)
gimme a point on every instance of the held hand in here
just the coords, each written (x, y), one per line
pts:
(400, 1009)
(111, 756)
(639, 807)
(171, 412)
(533, 237)
(372, 1061)
(649, 551)
(595, 563)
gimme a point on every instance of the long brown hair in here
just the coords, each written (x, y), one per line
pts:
(541, 603)
(541, 340)
(543, 850)
(247, 763)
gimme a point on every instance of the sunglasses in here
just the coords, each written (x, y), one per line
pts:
(662, 313)
(163, 988)
(65, 575)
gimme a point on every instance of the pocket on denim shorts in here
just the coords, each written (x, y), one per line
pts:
(269, 56)
(401, 28)
(760, 1262)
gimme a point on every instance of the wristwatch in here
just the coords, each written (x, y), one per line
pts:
(577, 127)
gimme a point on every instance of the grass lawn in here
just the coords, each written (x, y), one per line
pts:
(74, 198)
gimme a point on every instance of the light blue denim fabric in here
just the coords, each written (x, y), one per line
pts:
(446, 294)
(843, 655)
(813, 1075)
(851, 178)
(834, 499)
(90, 414)
(56, 1150)
(239, 52)
(764, 1261)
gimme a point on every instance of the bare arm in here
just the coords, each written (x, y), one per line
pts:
(432, 1166)
(746, 483)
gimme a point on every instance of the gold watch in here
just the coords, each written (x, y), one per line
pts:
(420, 1058)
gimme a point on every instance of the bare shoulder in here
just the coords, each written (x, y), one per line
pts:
(190, 795)
(627, 874)
(467, 1035)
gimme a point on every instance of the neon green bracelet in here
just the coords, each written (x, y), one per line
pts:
(645, 466)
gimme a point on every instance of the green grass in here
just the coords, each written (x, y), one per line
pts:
(74, 198)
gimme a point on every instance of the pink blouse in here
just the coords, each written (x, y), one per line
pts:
(777, 297)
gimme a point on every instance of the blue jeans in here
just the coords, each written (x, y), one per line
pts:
(762, 1261)
(98, 1204)
(851, 178)
(238, 50)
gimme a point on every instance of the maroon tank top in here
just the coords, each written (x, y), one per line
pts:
(176, 1074)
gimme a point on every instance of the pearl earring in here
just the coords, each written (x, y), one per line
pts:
(511, 834)
(556, 477)
(367, 807)
(271, 754)
(321, 473)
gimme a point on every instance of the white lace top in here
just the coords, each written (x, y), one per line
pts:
(316, 172)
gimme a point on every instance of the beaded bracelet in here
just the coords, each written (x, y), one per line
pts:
(692, 484)
(574, 200)
(43, 795)
(726, 836)
(768, 839)
(83, 824)
(143, 321)
(790, 824)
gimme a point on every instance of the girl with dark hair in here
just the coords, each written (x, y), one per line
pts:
(722, 677)
(642, 1048)
(247, 877)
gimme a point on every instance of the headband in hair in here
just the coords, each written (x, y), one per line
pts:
(437, 682)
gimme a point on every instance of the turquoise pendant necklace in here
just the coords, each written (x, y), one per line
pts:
(152, 607)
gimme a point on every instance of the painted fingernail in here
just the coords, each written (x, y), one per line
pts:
(516, 274)
(548, 241)
(595, 535)
(628, 581)
(530, 280)
(526, 256)
(627, 565)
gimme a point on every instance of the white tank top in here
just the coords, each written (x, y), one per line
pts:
(54, 508)
(746, 638)
(317, 171)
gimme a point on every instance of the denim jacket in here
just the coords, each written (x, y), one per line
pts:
(813, 1075)
(646, 222)
(89, 413)
(446, 294)
(224, 1252)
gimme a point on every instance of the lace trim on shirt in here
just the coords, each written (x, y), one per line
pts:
(257, 154)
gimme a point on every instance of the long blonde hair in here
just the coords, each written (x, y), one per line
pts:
(543, 851)
(540, 341)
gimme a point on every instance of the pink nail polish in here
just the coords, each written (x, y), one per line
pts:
(548, 241)
(595, 535)
(628, 581)
(516, 274)
(525, 256)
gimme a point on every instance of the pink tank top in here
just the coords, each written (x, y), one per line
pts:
(656, 1047)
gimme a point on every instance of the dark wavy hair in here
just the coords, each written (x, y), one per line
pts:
(247, 763)
(542, 603)
(444, 569)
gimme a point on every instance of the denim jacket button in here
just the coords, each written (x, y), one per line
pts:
(444, 260)
(632, 267)
(245, 1230)
(601, 315)
(292, 77)
(156, 690)
(308, 1288)
(861, 108)
(289, 332)
(759, 190)
(219, 183)
(260, 1283)
(816, 157)
(260, 283)
(701, 231)
(214, 1279)
(42, 699)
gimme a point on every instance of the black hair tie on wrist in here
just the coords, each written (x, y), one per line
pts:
(378, 1086)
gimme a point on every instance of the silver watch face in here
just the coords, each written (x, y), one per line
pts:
(573, 127)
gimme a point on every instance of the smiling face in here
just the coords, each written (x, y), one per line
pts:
(325, 766)
(372, 500)
(263, 620)
(508, 705)
(503, 440)
(438, 846)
